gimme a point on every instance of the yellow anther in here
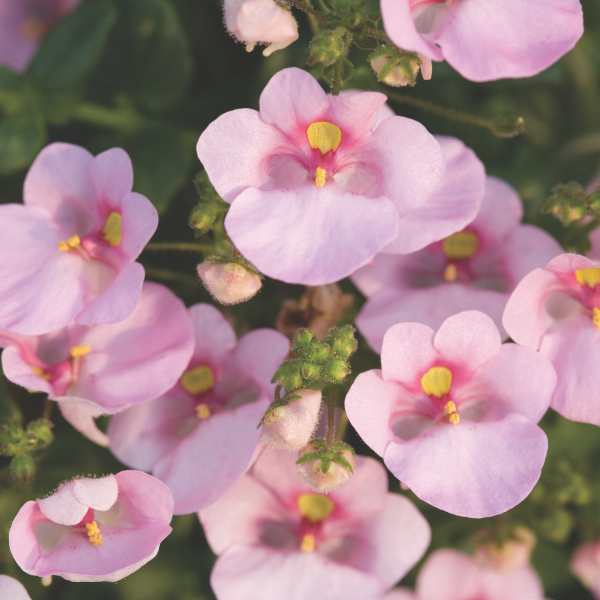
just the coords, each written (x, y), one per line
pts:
(589, 277)
(324, 136)
(461, 245)
(450, 408)
(596, 316)
(321, 177)
(437, 381)
(33, 28)
(112, 230)
(79, 351)
(450, 273)
(71, 244)
(202, 411)
(41, 373)
(315, 507)
(454, 418)
(198, 380)
(94, 534)
(308, 543)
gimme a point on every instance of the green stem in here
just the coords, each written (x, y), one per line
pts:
(48, 407)
(330, 435)
(178, 246)
(121, 119)
(174, 276)
(342, 426)
(336, 84)
(309, 10)
(378, 35)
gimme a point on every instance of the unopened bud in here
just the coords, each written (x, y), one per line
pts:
(289, 375)
(202, 217)
(23, 468)
(336, 370)
(395, 71)
(325, 475)
(512, 554)
(343, 341)
(42, 430)
(229, 283)
(290, 427)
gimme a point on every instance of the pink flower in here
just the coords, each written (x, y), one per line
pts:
(93, 529)
(256, 21)
(453, 413)
(452, 575)
(315, 193)
(585, 565)
(200, 436)
(486, 39)
(11, 589)
(475, 269)
(104, 368)
(275, 539)
(23, 23)
(556, 310)
(69, 252)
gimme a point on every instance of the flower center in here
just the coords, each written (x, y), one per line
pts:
(460, 246)
(308, 543)
(596, 316)
(112, 230)
(437, 382)
(450, 410)
(450, 273)
(71, 244)
(320, 177)
(315, 507)
(79, 351)
(324, 136)
(589, 277)
(198, 381)
(93, 532)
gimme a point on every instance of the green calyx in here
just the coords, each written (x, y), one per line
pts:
(335, 454)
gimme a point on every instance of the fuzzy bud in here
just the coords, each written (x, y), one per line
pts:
(229, 283)
(325, 477)
(336, 370)
(291, 426)
(42, 430)
(289, 375)
(23, 468)
(514, 553)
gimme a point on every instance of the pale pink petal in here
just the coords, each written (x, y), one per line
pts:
(19, 371)
(400, 594)
(453, 204)
(99, 494)
(81, 414)
(214, 335)
(355, 114)
(235, 150)
(260, 573)
(387, 271)
(449, 575)
(22, 541)
(456, 468)
(112, 177)
(11, 589)
(516, 584)
(567, 263)
(290, 237)
(62, 507)
(493, 39)
(139, 220)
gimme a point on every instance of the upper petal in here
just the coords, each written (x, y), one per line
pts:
(449, 575)
(112, 176)
(139, 220)
(214, 335)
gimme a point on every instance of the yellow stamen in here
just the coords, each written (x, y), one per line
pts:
(596, 316)
(71, 244)
(33, 28)
(437, 381)
(321, 177)
(454, 419)
(198, 380)
(41, 373)
(315, 507)
(112, 230)
(308, 543)
(202, 411)
(450, 273)
(324, 136)
(450, 410)
(461, 245)
(79, 351)
(589, 277)
(94, 534)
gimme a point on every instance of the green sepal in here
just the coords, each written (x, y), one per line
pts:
(42, 430)
(279, 401)
(289, 375)
(365, 42)
(326, 463)
(308, 457)
(343, 462)
(310, 371)
(342, 340)
(22, 468)
(329, 46)
(302, 339)
(335, 370)
(342, 447)
(318, 443)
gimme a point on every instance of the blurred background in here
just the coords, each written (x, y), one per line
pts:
(149, 76)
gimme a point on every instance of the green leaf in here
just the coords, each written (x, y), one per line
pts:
(161, 64)
(67, 55)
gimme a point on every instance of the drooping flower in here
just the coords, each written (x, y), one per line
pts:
(315, 193)
(486, 39)
(201, 435)
(229, 283)
(93, 529)
(585, 565)
(451, 575)
(11, 589)
(556, 310)
(453, 413)
(260, 21)
(474, 269)
(276, 539)
(23, 23)
(68, 253)
(104, 368)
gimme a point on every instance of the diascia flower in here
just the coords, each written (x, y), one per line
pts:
(201, 435)
(474, 269)
(486, 39)
(93, 529)
(11, 589)
(260, 21)
(104, 368)
(275, 538)
(453, 413)
(68, 253)
(23, 23)
(556, 310)
(452, 575)
(315, 193)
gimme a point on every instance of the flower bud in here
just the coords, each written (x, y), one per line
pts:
(23, 468)
(290, 427)
(512, 554)
(396, 72)
(229, 283)
(323, 477)
(42, 430)
(289, 375)
(336, 370)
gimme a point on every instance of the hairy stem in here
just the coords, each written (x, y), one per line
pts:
(48, 407)
(330, 435)
(168, 275)
(313, 12)
(342, 426)
(178, 247)
(336, 84)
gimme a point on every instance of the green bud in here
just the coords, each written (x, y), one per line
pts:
(42, 430)
(507, 126)
(10, 435)
(318, 352)
(567, 202)
(303, 338)
(342, 341)
(336, 370)
(203, 217)
(289, 375)
(329, 45)
(594, 202)
(310, 370)
(23, 468)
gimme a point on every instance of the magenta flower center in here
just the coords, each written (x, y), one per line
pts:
(325, 137)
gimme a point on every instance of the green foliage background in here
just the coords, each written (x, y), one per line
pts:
(149, 76)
